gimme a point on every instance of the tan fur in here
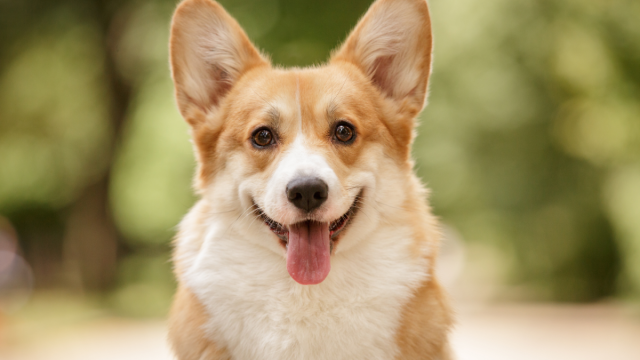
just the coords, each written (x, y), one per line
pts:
(426, 322)
(378, 83)
(186, 330)
(427, 318)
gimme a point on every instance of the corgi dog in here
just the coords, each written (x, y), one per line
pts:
(312, 238)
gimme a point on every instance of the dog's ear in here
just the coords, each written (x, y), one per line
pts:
(209, 52)
(392, 45)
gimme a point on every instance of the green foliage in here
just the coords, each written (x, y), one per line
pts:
(53, 124)
(533, 110)
(530, 142)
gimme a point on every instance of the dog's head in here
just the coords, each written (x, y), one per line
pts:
(309, 153)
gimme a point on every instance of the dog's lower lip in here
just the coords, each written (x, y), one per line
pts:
(335, 227)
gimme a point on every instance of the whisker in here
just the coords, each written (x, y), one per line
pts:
(363, 211)
(254, 219)
(239, 216)
(340, 90)
(392, 206)
(223, 212)
(261, 97)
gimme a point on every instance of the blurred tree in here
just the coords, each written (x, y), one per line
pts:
(530, 143)
(530, 103)
(90, 236)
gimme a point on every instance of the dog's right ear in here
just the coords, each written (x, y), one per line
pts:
(209, 52)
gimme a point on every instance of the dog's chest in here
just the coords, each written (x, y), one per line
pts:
(258, 312)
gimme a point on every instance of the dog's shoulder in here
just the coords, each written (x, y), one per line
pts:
(187, 330)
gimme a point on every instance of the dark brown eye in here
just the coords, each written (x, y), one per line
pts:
(262, 138)
(345, 133)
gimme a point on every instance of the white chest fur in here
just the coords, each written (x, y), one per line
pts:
(259, 313)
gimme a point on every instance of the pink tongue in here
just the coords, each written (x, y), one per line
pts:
(308, 252)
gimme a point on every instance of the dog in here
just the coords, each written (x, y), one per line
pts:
(312, 238)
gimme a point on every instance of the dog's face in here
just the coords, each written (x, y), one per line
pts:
(301, 153)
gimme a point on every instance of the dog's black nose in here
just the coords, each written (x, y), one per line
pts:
(307, 193)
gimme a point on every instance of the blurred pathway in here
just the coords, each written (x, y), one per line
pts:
(547, 332)
(496, 332)
(103, 339)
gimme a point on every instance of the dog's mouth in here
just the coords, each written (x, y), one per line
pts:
(335, 227)
(309, 243)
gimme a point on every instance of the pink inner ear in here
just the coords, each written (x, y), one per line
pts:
(222, 85)
(209, 52)
(380, 72)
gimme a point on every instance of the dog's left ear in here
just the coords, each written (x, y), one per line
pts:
(392, 45)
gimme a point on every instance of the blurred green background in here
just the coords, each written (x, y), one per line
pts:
(530, 142)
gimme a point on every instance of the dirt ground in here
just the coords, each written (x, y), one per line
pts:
(491, 332)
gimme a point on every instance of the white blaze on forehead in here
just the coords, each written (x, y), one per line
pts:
(298, 161)
(299, 107)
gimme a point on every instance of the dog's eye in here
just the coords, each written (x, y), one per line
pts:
(262, 138)
(345, 133)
